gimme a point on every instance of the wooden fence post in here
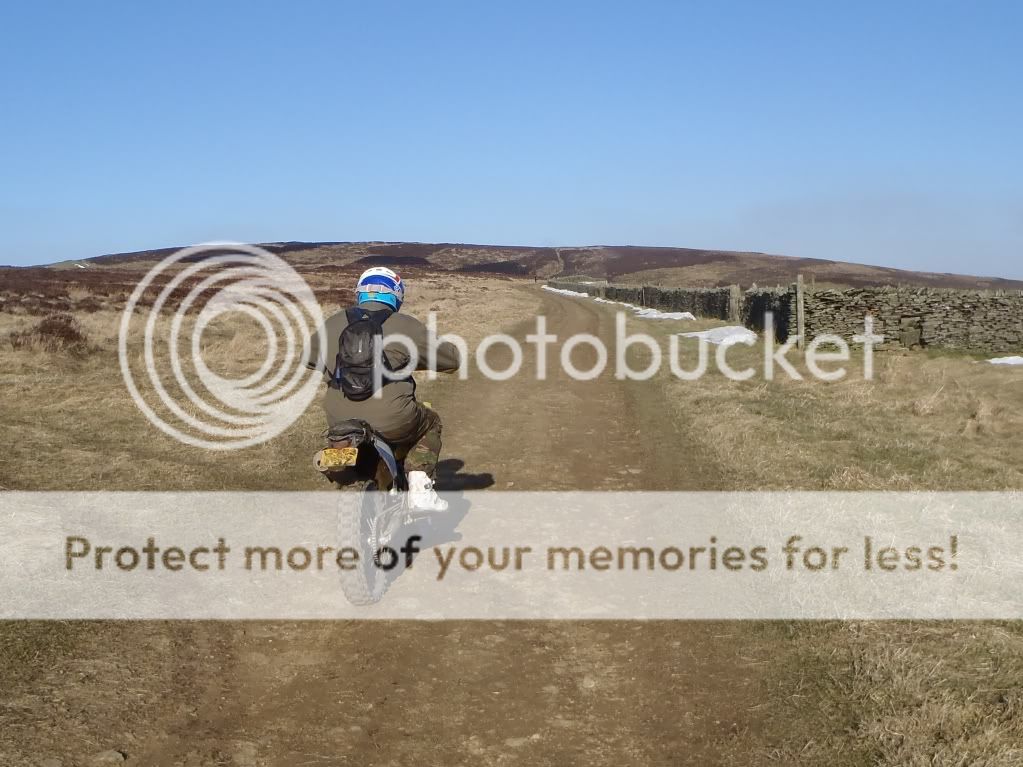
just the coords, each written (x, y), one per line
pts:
(800, 312)
(734, 303)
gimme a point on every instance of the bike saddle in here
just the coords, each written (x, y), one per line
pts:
(352, 433)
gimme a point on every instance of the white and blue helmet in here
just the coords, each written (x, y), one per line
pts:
(383, 285)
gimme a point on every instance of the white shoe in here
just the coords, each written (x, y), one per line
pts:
(421, 495)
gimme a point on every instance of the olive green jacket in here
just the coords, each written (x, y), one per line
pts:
(395, 413)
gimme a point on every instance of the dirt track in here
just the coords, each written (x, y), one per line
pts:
(454, 692)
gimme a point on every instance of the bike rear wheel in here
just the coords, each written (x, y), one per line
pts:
(359, 517)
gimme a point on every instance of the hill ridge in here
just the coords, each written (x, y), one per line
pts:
(623, 263)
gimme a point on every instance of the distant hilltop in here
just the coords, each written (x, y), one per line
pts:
(625, 264)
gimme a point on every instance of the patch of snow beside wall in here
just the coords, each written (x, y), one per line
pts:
(726, 336)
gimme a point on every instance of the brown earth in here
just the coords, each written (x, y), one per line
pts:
(453, 692)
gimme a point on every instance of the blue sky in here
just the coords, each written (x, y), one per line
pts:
(884, 133)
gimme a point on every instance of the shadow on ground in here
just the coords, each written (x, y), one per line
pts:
(451, 479)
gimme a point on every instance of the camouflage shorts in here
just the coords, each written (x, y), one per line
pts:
(424, 447)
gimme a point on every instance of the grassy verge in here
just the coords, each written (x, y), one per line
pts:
(853, 694)
(872, 693)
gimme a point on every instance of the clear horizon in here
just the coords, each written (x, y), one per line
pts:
(870, 134)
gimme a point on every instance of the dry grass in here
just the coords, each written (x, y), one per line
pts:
(926, 422)
(912, 694)
(724, 268)
(81, 402)
(56, 333)
(934, 694)
(750, 271)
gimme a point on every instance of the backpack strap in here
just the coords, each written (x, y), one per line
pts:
(357, 313)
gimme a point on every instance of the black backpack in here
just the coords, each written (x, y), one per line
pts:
(353, 366)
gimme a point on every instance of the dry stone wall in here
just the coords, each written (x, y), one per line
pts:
(779, 302)
(907, 317)
(911, 317)
(703, 302)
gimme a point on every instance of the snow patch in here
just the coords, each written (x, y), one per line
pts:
(1007, 361)
(566, 292)
(654, 314)
(642, 312)
(726, 336)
